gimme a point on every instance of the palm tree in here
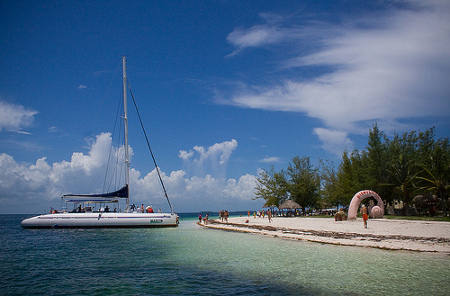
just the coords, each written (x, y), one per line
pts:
(435, 178)
(403, 174)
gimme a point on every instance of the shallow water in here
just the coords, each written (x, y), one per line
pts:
(192, 260)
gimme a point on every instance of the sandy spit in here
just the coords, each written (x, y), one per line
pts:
(422, 236)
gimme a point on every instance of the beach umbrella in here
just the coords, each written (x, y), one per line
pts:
(290, 205)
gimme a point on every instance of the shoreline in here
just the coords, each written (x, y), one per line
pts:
(420, 236)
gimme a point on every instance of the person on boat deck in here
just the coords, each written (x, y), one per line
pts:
(107, 209)
(142, 208)
(150, 209)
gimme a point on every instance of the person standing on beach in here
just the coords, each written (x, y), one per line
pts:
(365, 217)
(269, 215)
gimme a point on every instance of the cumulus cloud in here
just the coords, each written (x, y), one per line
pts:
(333, 141)
(28, 180)
(212, 160)
(15, 117)
(386, 69)
(41, 184)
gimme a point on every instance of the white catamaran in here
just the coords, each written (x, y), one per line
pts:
(86, 214)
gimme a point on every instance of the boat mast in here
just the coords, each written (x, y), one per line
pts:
(125, 120)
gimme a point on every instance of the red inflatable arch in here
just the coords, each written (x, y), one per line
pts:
(375, 212)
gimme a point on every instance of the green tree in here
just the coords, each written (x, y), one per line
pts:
(331, 193)
(351, 176)
(377, 160)
(436, 173)
(426, 146)
(272, 187)
(404, 174)
(304, 182)
(402, 169)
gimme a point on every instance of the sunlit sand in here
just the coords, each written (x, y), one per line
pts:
(425, 236)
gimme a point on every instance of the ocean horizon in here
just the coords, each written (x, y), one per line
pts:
(191, 260)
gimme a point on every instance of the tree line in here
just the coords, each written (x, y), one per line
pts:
(400, 168)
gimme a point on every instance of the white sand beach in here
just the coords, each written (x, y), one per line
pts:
(424, 236)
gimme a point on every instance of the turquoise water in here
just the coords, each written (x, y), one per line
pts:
(189, 260)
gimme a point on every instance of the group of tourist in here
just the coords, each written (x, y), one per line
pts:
(223, 215)
(148, 209)
(205, 219)
(261, 214)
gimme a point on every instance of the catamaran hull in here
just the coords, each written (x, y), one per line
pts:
(104, 220)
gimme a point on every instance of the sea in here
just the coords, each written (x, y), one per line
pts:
(191, 260)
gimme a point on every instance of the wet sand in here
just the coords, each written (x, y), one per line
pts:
(423, 236)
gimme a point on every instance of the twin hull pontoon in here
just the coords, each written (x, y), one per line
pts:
(106, 219)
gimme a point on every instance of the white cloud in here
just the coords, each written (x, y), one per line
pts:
(28, 180)
(256, 36)
(270, 33)
(242, 189)
(53, 129)
(212, 160)
(388, 69)
(15, 117)
(272, 159)
(185, 155)
(41, 184)
(333, 141)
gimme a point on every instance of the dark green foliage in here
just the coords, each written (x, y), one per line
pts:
(399, 169)
(304, 182)
(272, 186)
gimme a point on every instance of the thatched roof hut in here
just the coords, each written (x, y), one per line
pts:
(290, 205)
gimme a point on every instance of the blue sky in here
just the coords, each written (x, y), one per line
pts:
(226, 88)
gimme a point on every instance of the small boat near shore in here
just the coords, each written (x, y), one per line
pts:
(103, 210)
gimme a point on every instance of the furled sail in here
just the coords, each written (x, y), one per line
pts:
(121, 193)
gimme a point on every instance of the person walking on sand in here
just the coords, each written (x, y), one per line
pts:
(364, 212)
(269, 215)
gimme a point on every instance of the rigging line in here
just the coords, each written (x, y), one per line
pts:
(109, 87)
(148, 144)
(110, 152)
(120, 142)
